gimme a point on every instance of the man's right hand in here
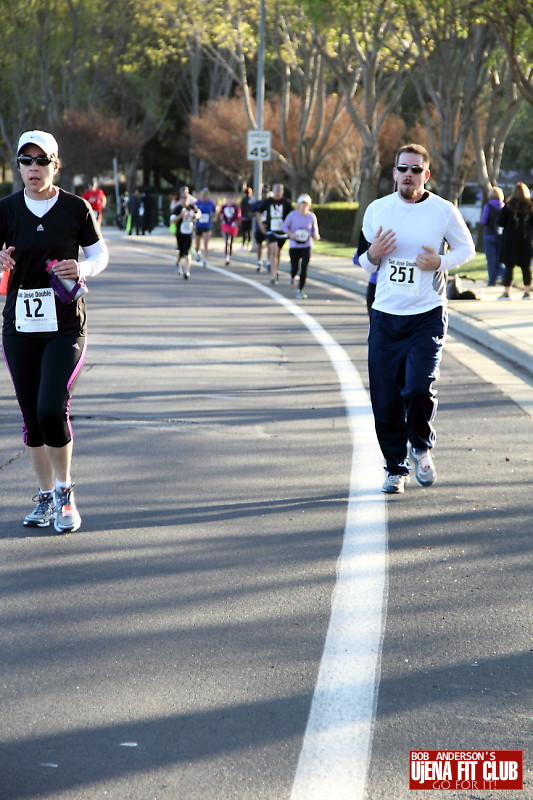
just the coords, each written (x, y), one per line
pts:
(383, 244)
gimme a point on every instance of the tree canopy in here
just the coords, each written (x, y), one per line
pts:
(131, 78)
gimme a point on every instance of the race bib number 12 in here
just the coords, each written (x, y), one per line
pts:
(35, 311)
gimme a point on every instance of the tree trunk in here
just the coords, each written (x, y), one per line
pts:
(368, 192)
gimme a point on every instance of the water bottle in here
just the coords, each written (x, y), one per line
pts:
(67, 289)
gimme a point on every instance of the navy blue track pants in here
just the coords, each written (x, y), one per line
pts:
(404, 353)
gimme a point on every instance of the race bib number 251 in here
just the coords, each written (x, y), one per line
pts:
(403, 277)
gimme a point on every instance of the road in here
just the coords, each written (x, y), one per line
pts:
(224, 453)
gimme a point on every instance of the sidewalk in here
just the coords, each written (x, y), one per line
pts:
(505, 327)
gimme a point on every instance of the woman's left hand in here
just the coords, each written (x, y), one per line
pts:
(67, 269)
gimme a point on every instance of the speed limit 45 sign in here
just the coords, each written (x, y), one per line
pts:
(258, 146)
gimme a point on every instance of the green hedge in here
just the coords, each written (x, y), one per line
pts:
(336, 221)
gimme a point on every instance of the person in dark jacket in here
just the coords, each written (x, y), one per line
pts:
(133, 208)
(491, 236)
(516, 219)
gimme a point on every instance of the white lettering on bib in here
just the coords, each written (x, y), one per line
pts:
(35, 311)
(403, 277)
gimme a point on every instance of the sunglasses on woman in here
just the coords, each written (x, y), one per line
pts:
(415, 170)
(27, 161)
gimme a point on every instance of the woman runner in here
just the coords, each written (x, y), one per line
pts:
(44, 337)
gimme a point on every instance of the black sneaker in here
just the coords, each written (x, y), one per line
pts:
(43, 512)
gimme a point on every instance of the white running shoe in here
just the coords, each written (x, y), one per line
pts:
(395, 484)
(67, 515)
(425, 472)
(301, 295)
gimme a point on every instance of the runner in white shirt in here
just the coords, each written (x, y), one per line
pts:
(405, 238)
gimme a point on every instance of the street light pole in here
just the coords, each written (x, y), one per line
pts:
(260, 97)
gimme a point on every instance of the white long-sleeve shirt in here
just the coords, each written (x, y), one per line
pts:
(402, 288)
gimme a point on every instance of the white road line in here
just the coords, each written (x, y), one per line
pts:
(336, 748)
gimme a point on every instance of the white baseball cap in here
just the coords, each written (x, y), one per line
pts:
(304, 198)
(42, 139)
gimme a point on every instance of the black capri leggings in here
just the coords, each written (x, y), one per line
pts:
(44, 372)
(299, 262)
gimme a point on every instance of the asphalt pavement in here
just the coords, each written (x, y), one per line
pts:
(503, 327)
(171, 650)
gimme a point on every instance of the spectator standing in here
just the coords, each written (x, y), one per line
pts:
(147, 212)
(97, 200)
(133, 208)
(301, 226)
(516, 219)
(44, 336)
(121, 216)
(491, 236)
(404, 237)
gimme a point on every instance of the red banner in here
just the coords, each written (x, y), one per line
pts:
(465, 769)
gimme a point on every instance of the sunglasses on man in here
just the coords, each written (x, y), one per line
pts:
(41, 161)
(416, 170)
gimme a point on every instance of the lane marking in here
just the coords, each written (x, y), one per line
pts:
(336, 748)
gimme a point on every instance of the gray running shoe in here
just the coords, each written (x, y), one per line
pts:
(67, 515)
(425, 472)
(301, 295)
(395, 484)
(43, 512)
